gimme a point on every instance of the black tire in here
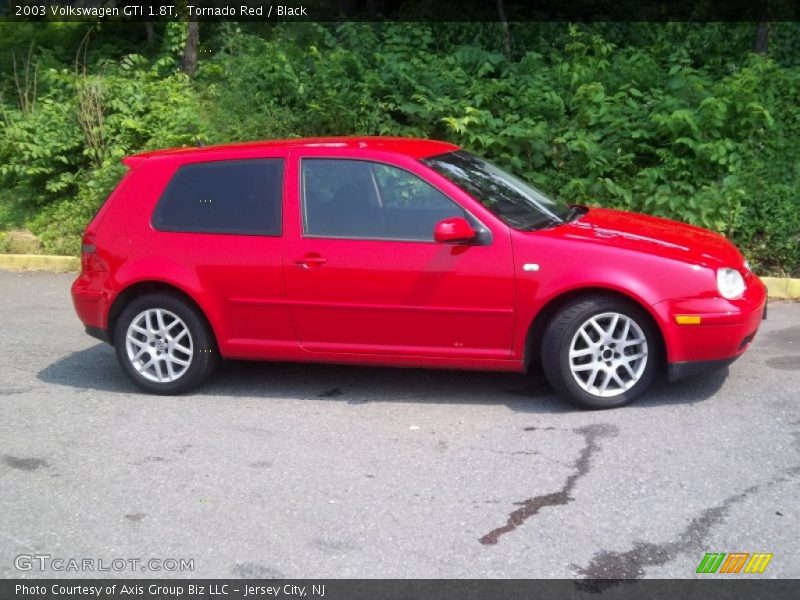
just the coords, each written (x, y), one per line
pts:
(558, 338)
(204, 354)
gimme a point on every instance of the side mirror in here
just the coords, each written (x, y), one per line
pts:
(454, 229)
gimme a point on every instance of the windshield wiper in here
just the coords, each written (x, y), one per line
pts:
(575, 212)
(543, 224)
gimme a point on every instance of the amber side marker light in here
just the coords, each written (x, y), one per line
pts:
(688, 319)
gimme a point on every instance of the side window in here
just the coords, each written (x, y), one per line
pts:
(237, 196)
(362, 199)
(400, 189)
(340, 199)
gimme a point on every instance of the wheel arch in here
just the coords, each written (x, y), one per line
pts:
(535, 333)
(140, 288)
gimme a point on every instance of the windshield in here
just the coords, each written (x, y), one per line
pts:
(518, 204)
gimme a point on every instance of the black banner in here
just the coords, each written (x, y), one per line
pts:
(401, 10)
(395, 589)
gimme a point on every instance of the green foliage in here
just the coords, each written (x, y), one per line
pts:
(678, 119)
(59, 162)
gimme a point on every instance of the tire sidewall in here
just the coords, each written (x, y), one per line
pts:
(204, 349)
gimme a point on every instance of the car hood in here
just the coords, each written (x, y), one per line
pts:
(653, 235)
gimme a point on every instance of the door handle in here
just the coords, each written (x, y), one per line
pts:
(310, 261)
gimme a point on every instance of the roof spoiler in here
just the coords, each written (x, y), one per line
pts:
(133, 161)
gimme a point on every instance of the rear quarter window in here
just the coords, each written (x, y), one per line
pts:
(231, 197)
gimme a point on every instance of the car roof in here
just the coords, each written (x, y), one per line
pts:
(412, 147)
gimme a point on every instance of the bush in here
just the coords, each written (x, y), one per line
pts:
(677, 119)
(60, 161)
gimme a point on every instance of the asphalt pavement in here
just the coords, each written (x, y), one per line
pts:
(289, 470)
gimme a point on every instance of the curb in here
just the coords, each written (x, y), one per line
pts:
(782, 287)
(39, 262)
(777, 287)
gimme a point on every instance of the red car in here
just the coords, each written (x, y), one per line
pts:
(403, 252)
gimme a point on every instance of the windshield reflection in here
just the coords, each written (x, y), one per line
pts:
(514, 201)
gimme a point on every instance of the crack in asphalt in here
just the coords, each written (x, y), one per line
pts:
(253, 570)
(528, 508)
(24, 464)
(606, 569)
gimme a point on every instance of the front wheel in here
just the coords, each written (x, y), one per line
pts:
(164, 344)
(600, 352)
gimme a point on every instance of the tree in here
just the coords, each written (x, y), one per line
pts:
(189, 59)
(501, 13)
(761, 45)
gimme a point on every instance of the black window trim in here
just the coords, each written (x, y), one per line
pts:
(222, 231)
(484, 237)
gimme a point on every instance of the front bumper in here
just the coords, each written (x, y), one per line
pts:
(684, 370)
(726, 329)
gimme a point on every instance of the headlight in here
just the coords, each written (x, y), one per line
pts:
(730, 283)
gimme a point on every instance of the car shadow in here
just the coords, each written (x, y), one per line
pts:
(96, 368)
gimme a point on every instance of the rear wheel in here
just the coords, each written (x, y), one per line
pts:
(600, 352)
(164, 344)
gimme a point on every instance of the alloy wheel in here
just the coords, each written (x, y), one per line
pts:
(159, 345)
(608, 354)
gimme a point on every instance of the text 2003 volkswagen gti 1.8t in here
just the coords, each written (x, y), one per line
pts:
(404, 252)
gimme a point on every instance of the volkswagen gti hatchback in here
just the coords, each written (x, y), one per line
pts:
(401, 252)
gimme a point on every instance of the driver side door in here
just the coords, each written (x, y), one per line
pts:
(365, 275)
